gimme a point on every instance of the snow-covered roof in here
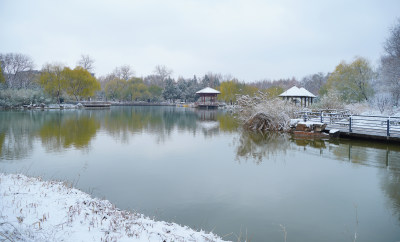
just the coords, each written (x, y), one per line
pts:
(297, 92)
(208, 90)
(306, 92)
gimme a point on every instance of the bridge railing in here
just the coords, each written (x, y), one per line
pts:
(361, 124)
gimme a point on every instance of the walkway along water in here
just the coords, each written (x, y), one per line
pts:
(361, 126)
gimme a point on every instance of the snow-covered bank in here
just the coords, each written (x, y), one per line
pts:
(35, 210)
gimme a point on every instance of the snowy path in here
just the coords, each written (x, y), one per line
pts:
(35, 210)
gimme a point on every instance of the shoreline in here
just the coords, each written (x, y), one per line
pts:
(32, 209)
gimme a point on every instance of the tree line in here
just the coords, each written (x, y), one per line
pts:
(350, 82)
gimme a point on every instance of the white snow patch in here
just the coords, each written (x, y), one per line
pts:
(332, 131)
(311, 123)
(294, 122)
(35, 210)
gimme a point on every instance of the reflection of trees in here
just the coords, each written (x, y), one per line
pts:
(75, 128)
(362, 152)
(65, 129)
(390, 184)
(258, 145)
(227, 123)
(384, 156)
(122, 122)
(315, 143)
(390, 180)
(17, 133)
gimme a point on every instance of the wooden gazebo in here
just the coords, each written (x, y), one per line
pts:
(298, 95)
(208, 98)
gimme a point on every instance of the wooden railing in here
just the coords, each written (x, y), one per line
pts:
(360, 124)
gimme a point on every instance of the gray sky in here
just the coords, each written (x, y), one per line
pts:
(249, 39)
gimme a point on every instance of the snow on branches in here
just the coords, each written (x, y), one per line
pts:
(264, 113)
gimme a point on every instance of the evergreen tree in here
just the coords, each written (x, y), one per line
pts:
(170, 91)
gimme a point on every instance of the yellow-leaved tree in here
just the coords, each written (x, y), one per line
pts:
(353, 81)
(52, 80)
(115, 89)
(80, 83)
(229, 90)
(274, 91)
(137, 90)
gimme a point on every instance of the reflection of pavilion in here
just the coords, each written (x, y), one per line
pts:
(208, 98)
(206, 115)
(207, 121)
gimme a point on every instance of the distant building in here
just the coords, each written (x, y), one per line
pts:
(298, 96)
(208, 98)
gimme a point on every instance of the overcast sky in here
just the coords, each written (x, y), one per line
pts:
(249, 39)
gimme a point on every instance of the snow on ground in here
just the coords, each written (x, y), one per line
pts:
(310, 124)
(332, 131)
(35, 210)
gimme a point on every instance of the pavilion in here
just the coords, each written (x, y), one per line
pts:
(294, 94)
(208, 98)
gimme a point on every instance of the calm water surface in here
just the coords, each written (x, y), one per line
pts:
(196, 168)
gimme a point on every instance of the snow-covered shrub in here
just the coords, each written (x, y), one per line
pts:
(264, 113)
(331, 100)
(363, 108)
(383, 101)
(19, 97)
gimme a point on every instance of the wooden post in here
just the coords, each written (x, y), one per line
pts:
(387, 156)
(350, 125)
(388, 127)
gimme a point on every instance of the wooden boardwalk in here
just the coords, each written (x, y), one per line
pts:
(96, 104)
(361, 126)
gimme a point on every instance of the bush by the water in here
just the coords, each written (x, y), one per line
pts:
(264, 113)
(18, 97)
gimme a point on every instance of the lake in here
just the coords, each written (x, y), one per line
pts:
(198, 168)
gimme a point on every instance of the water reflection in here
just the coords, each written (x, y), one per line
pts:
(259, 145)
(193, 144)
(59, 130)
(63, 130)
(17, 134)
(390, 184)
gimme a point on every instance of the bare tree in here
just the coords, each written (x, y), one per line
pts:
(390, 77)
(124, 72)
(212, 79)
(313, 83)
(284, 83)
(392, 44)
(18, 70)
(390, 64)
(161, 72)
(86, 62)
(382, 101)
(106, 79)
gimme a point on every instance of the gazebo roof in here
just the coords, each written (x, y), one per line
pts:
(297, 92)
(208, 90)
